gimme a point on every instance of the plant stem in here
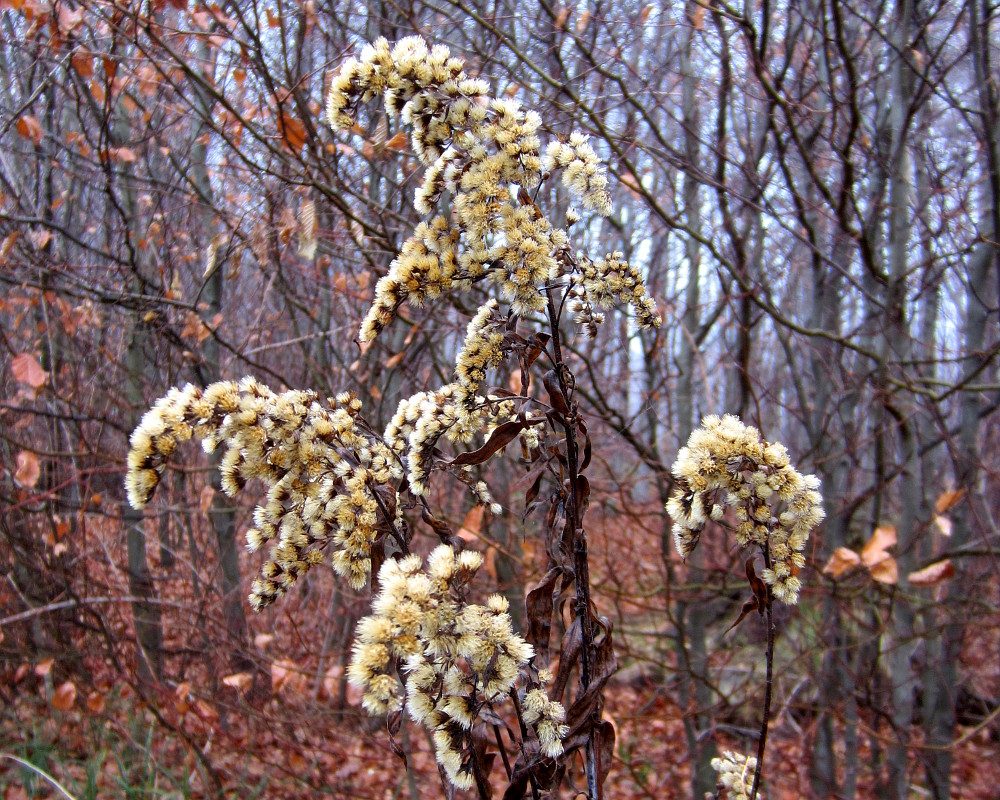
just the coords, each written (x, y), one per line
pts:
(581, 565)
(762, 741)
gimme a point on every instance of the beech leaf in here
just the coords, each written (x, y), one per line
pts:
(501, 437)
(29, 128)
(472, 525)
(28, 371)
(843, 560)
(885, 571)
(948, 500)
(875, 548)
(64, 697)
(943, 524)
(239, 680)
(293, 131)
(933, 574)
(28, 470)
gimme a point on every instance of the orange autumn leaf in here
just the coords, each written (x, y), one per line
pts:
(181, 696)
(44, 667)
(30, 128)
(83, 63)
(885, 571)
(8, 245)
(397, 142)
(948, 500)
(95, 702)
(39, 238)
(64, 697)
(875, 556)
(124, 154)
(238, 680)
(930, 575)
(206, 711)
(28, 371)
(293, 131)
(28, 469)
(843, 560)
(472, 525)
(875, 548)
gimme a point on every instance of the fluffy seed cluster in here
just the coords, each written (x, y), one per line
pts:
(605, 283)
(727, 463)
(482, 350)
(452, 412)
(329, 480)
(582, 171)
(477, 148)
(455, 657)
(736, 774)
(547, 717)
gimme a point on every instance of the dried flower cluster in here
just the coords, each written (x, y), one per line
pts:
(583, 173)
(455, 656)
(334, 485)
(328, 477)
(726, 463)
(604, 284)
(478, 149)
(450, 412)
(736, 774)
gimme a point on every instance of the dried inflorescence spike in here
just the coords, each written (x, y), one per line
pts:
(482, 350)
(727, 463)
(736, 774)
(456, 656)
(546, 717)
(480, 149)
(582, 171)
(329, 480)
(606, 283)
(451, 413)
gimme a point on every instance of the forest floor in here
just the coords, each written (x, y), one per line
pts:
(289, 726)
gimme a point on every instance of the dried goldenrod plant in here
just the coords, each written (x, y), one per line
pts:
(727, 464)
(340, 491)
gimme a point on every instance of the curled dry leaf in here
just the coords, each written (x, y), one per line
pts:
(239, 680)
(28, 469)
(95, 702)
(948, 500)
(943, 524)
(44, 667)
(876, 557)
(502, 436)
(472, 525)
(28, 371)
(885, 571)
(933, 574)
(843, 560)
(64, 697)
(307, 230)
(875, 548)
